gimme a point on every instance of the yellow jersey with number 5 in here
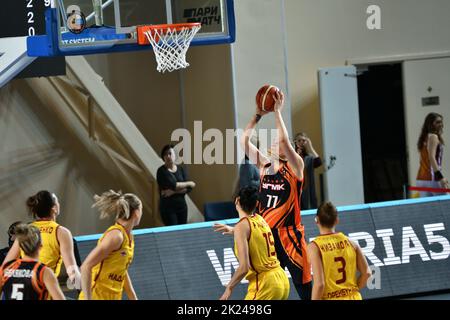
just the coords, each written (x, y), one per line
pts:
(339, 260)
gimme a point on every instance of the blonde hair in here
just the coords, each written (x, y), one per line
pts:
(29, 238)
(117, 205)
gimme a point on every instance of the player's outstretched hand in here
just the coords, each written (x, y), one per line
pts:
(444, 183)
(278, 97)
(74, 278)
(223, 228)
(260, 111)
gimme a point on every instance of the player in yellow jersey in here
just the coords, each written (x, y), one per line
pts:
(281, 177)
(255, 250)
(57, 241)
(104, 273)
(335, 260)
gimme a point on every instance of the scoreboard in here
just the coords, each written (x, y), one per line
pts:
(19, 18)
(22, 17)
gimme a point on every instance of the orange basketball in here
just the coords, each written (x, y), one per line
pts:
(264, 97)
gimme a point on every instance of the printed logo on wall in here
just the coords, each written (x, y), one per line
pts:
(76, 21)
(406, 245)
(411, 246)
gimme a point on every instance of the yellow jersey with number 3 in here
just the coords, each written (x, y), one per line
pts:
(108, 277)
(339, 260)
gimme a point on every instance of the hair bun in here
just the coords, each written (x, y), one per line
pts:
(32, 202)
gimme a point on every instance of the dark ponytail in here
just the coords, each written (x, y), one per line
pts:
(40, 205)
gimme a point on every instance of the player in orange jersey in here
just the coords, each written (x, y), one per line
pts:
(279, 194)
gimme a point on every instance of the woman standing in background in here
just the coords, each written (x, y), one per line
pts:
(305, 149)
(431, 149)
(173, 186)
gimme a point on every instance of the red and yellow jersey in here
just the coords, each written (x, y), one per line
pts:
(339, 260)
(261, 247)
(280, 197)
(108, 277)
(50, 253)
(426, 172)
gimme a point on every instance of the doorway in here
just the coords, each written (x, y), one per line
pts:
(383, 134)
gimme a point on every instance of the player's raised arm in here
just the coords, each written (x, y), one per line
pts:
(252, 152)
(286, 148)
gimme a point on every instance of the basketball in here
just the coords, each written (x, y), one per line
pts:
(264, 97)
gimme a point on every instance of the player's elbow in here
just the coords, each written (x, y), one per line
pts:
(364, 277)
(284, 141)
(86, 268)
(367, 274)
(244, 268)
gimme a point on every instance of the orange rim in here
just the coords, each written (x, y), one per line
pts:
(142, 39)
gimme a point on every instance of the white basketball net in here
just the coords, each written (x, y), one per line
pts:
(170, 46)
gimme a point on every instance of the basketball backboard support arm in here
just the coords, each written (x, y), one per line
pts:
(104, 6)
(58, 41)
(168, 11)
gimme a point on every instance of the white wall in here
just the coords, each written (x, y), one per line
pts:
(418, 77)
(160, 103)
(326, 33)
(208, 97)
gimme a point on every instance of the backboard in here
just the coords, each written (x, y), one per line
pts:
(75, 27)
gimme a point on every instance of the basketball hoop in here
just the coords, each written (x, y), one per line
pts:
(170, 43)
